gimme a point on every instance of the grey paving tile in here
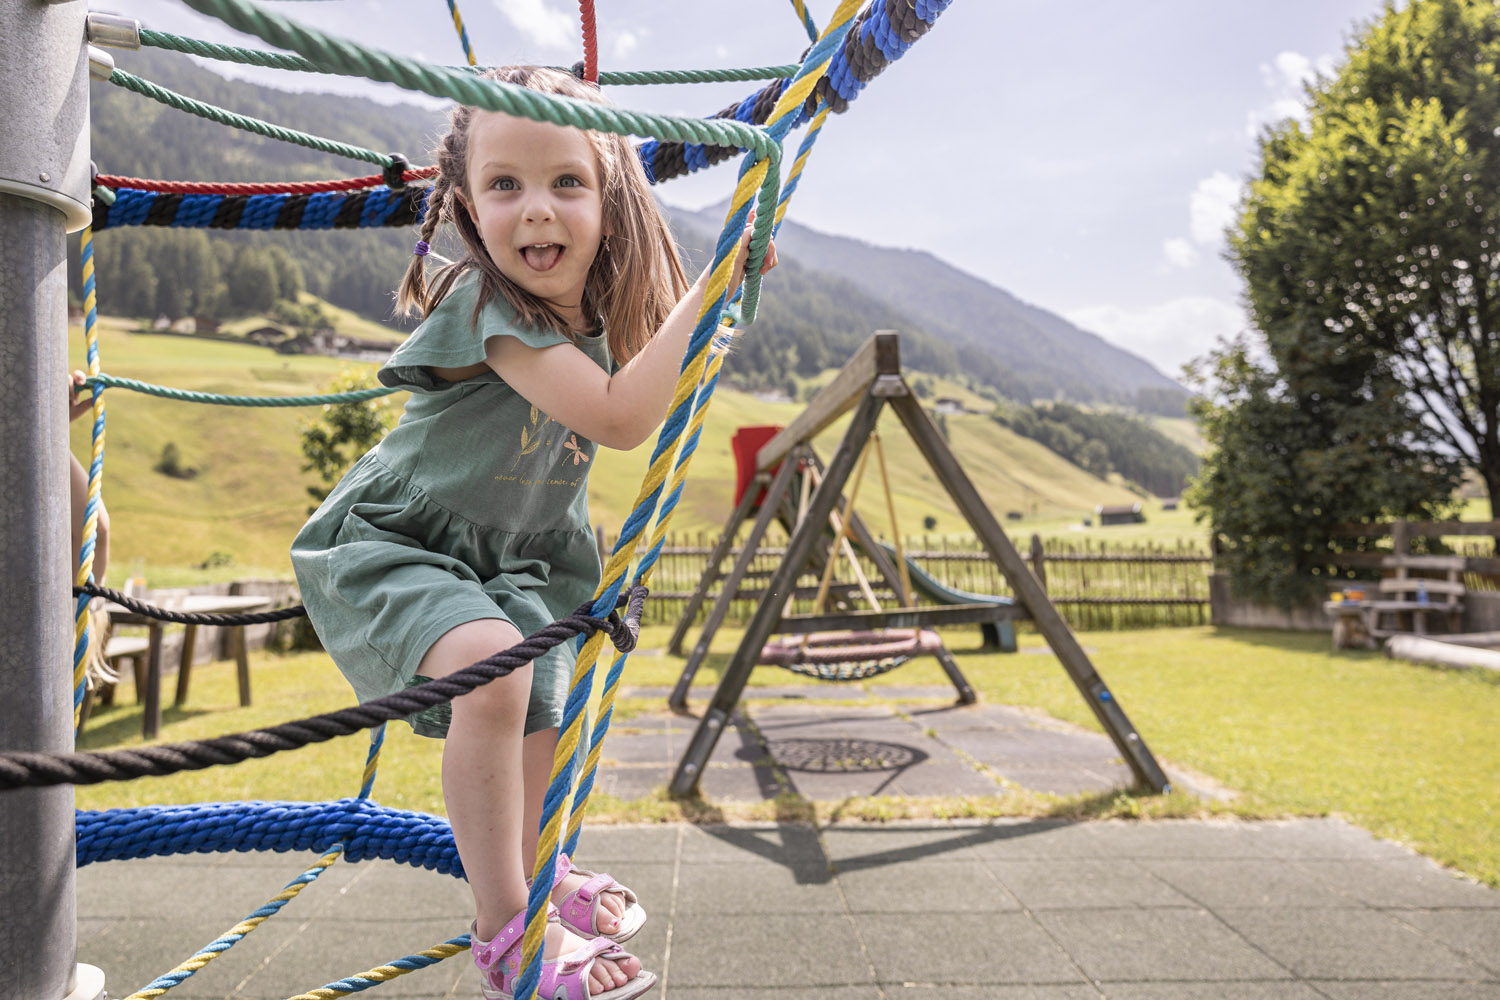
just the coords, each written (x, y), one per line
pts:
(390, 892)
(949, 948)
(1285, 839)
(908, 692)
(779, 844)
(659, 721)
(1032, 745)
(925, 886)
(135, 952)
(1061, 779)
(737, 746)
(333, 950)
(938, 778)
(755, 890)
(1063, 883)
(632, 783)
(990, 991)
(1165, 944)
(1406, 881)
(790, 949)
(1280, 990)
(1369, 990)
(840, 785)
(639, 748)
(607, 847)
(1041, 838)
(739, 783)
(855, 847)
(1245, 882)
(1472, 933)
(869, 992)
(1347, 944)
(132, 889)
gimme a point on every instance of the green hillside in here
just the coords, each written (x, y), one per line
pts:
(239, 510)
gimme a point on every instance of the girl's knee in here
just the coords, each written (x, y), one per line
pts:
(463, 646)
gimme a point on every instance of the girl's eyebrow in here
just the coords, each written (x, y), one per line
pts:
(575, 166)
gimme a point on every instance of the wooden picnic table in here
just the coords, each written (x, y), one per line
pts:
(193, 604)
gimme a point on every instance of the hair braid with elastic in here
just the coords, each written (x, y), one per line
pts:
(635, 279)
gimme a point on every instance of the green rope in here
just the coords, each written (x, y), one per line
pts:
(120, 78)
(341, 56)
(384, 67)
(282, 60)
(167, 392)
(649, 76)
(226, 53)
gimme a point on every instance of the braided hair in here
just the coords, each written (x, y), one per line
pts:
(636, 277)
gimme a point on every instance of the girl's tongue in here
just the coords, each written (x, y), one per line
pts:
(543, 256)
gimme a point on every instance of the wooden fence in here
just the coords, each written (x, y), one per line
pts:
(1095, 585)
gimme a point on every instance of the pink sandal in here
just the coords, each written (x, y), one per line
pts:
(579, 910)
(565, 977)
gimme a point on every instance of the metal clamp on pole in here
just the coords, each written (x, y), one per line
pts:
(44, 133)
(113, 31)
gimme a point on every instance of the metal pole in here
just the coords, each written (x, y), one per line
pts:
(44, 175)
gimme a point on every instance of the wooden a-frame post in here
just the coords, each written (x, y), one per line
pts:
(869, 382)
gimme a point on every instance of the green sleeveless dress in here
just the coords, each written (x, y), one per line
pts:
(473, 506)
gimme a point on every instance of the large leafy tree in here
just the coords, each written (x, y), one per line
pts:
(1367, 245)
(1370, 235)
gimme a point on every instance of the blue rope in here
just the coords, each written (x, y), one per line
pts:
(368, 208)
(368, 829)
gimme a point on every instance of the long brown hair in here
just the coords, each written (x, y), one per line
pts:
(636, 277)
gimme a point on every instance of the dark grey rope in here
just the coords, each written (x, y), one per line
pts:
(19, 769)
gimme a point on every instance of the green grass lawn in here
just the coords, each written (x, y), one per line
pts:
(247, 496)
(1295, 729)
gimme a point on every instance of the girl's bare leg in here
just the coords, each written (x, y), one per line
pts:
(537, 753)
(484, 788)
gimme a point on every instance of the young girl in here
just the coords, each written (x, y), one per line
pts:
(561, 328)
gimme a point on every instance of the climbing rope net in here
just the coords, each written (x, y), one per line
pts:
(854, 46)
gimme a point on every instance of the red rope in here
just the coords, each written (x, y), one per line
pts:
(273, 187)
(590, 42)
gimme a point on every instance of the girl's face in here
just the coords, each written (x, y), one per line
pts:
(535, 195)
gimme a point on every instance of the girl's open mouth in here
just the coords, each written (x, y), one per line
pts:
(542, 256)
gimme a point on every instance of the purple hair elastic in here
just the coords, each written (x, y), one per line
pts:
(420, 250)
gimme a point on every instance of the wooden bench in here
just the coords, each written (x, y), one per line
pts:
(1409, 596)
(117, 650)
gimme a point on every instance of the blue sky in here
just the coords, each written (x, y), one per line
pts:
(1084, 157)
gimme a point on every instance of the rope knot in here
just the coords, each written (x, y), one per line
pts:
(623, 632)
(394, 173)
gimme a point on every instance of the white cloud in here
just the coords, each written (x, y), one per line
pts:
(1285, 77)
(1169, 334)
(1211, 207)
(1180, 253)
(543, 24)
(625, 43)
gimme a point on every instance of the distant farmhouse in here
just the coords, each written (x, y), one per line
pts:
(948, 406)
(1120, 513)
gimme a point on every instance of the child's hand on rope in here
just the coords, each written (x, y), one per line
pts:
(743, 257)
(80, 397)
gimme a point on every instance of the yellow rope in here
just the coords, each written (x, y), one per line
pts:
(91, 523)
(382, 973)
(271, 907)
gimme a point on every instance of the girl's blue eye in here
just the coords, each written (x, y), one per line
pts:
(504, 183)
(569, 181)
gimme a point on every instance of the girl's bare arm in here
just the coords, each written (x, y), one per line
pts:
(618, 411)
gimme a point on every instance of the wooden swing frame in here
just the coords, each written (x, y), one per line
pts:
(870, 381)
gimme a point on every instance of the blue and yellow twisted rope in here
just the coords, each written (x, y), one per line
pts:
(96, 476)
(752, 178)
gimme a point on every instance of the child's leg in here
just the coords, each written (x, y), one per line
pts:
(538, 751)
(484, 787)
